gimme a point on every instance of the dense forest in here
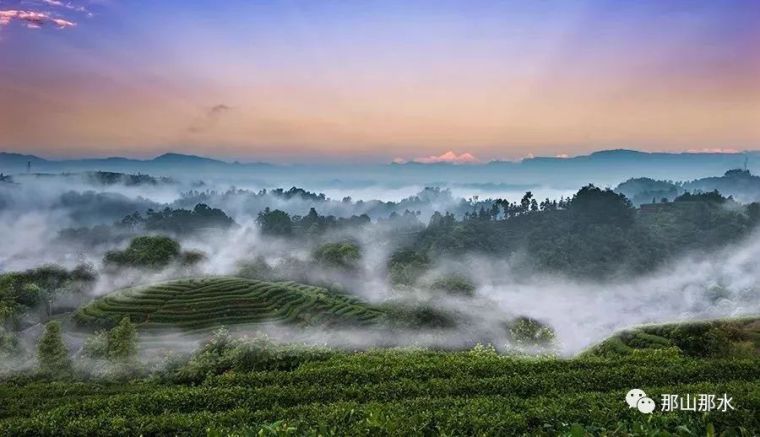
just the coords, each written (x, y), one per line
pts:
(596, 232)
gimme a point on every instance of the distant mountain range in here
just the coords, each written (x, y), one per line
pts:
(16, 162)
(607, 167)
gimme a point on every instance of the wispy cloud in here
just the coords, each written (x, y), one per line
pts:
(35, 14)
(209, 119)
(33, 19)
(67, 5)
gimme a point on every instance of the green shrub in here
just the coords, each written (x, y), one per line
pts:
(96, 345)
(344, 255)
(528, 331)
(223, 353)
(455, 284)
(406, 266)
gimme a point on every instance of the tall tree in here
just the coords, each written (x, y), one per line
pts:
(122, 344)
(525, 202)
(52, 354)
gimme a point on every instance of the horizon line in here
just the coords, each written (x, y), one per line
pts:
(395, 161)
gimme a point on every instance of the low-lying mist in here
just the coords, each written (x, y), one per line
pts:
(582, 312)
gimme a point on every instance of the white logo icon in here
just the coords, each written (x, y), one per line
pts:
(636, 398)
(645, 405)
(633, 396)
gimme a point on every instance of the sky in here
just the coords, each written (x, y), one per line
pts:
(355, 81)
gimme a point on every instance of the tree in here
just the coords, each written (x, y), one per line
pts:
(753, 211)
(151, 251)
(122, 341)
(52, 354)
(594, 206)
(275, 222)
(8, 342)
(525, 202)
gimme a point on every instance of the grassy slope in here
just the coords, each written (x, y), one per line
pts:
(199, 304)
(396, 393)
(736, 338)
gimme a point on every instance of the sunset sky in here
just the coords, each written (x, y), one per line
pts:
(332, 80)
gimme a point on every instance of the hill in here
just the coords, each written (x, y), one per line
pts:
(742, 185)
(737, 338)
(199, 304)
(173, 163)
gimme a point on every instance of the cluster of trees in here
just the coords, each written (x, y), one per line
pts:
(196, 196)
(504, 209)
(596, 233)
(111, 178)
(297, 192)
(342, 255)
(298, 199)
(179, 221)
(175, 222)
(279, 223)
(21, 292)
(117, 346)
(152, 252)
(407, 265)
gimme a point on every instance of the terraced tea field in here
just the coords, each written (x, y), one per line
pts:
(738, 338)
(200, 304)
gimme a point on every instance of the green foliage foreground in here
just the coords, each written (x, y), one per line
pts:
(397, 393)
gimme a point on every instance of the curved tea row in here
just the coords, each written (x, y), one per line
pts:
(209, 302)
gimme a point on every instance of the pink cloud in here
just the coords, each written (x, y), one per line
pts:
(448, 157)
(714, 150)
(33, 19)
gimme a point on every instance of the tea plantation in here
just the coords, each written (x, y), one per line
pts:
(200, 304)
(399, 393)
(738, 338)
(242, 387)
